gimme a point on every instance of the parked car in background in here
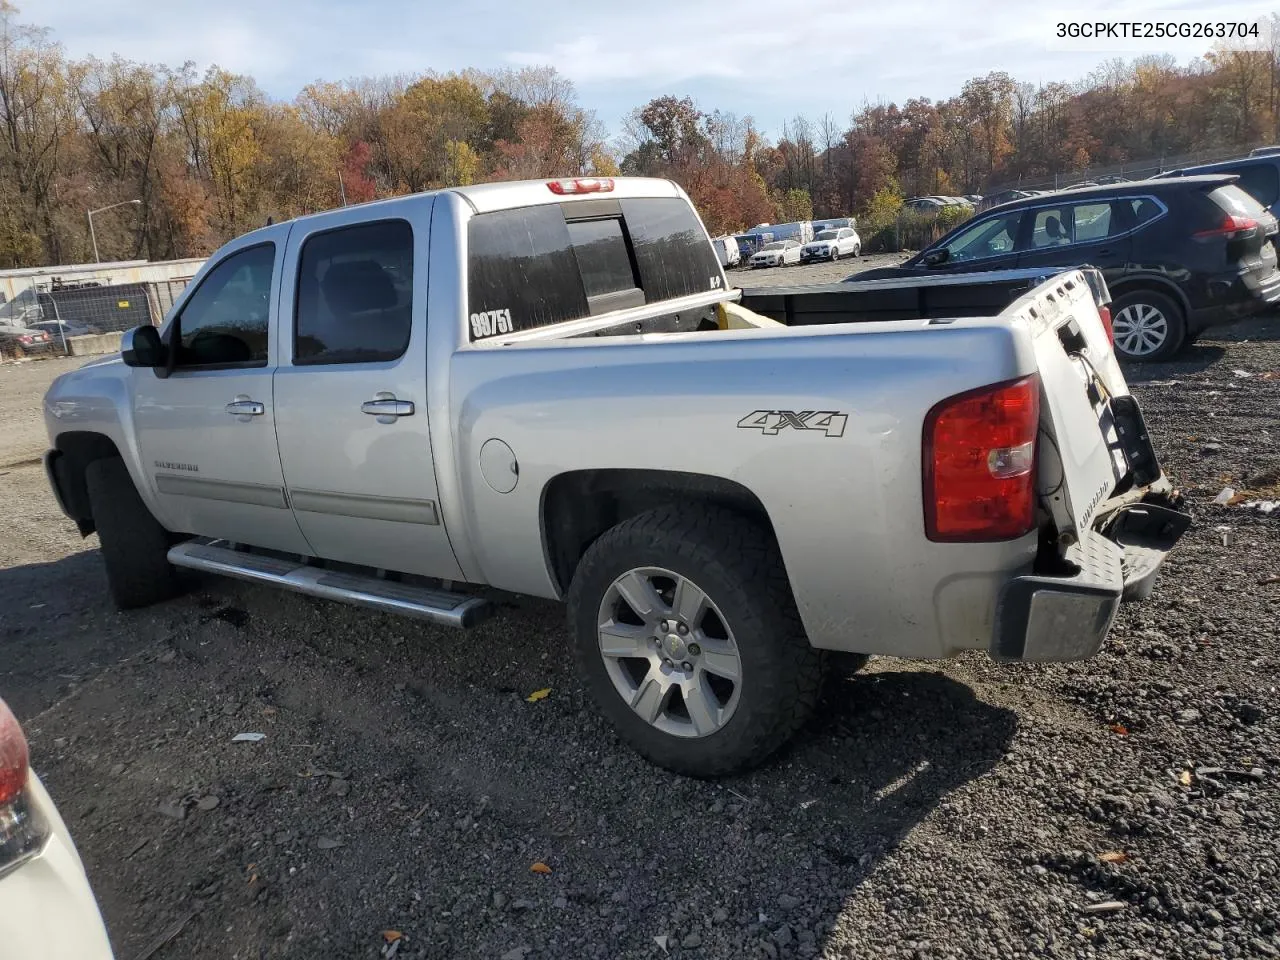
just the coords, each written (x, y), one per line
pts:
(748, 244)
(1264, 151)
(834, 224)
(1007, 196)
(798, 230)
(925, 204)
(832, 245)
(57, 329)
(973, 198)
(777, 254)
(935, 204)
(727, 251)
(1259, 176)
(1179, 255)
(46, 906)
(24, 341)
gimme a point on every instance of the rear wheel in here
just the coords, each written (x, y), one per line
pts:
(1148, 326)
(135, 547)
(688, 639)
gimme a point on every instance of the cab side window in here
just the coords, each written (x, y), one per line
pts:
(1094, 221)
(355, 295)
(1051, 228)
(986, 238)
(225, 321)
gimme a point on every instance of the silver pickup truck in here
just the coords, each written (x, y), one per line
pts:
(549, 388)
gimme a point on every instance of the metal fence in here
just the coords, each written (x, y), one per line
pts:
(1130, 170)
(67, 311)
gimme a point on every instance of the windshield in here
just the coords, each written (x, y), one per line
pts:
(826, 235)
(776, 245)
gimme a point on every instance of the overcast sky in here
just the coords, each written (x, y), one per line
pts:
(767, 58)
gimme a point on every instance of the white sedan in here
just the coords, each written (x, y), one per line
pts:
(46, 906)
(777, 254)
(832, 245)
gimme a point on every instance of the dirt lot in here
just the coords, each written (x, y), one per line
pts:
(930, 810)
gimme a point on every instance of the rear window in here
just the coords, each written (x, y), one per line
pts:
(602, 256)
(1235, 201)
(535, 266)
(1260, 180)
(671, 249)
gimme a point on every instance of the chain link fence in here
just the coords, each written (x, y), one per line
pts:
(1130, 170)
(66, 311)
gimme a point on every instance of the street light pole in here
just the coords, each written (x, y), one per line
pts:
(93, 237)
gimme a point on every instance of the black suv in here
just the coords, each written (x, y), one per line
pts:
(1180, 255)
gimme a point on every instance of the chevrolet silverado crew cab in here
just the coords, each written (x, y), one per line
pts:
(548, 388)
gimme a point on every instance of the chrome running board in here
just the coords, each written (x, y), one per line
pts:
(364, 590)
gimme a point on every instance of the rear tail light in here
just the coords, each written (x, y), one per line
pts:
(979, 463)
(22, 830)
(1104, 313)
(581, 185)
(1232, 227)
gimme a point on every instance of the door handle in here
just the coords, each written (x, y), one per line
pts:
(387, 409)
(244, 407)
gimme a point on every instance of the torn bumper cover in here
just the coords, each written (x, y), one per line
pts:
(1052, 617)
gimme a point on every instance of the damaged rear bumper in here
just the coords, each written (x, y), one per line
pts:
(1066, 615)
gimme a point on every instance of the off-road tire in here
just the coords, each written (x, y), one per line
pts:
(735, 561)
(134, 546)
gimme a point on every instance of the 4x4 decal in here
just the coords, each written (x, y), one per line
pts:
(769, 422)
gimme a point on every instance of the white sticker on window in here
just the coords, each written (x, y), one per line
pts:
(490, 323)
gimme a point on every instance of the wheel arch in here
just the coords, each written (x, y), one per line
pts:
(70, 458)
(1155, 284)
(580, 505)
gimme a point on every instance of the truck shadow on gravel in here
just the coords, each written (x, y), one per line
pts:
(883, 752)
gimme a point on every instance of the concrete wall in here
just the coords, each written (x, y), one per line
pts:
(94, 344)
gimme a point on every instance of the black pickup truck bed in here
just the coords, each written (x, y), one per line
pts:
(967, 295)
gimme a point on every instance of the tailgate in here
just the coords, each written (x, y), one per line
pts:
(1092, 435)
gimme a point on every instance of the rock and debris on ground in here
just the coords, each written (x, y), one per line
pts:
(964, 809)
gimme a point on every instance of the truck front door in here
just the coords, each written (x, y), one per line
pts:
(351, 391)
(207, 431)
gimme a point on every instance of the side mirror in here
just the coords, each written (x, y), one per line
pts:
(937, 257)
(141, 347)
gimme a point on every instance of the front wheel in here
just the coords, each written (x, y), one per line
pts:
(135, 546)
(1147, 326)
(688, 639)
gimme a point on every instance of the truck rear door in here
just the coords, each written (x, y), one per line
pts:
(350, 391)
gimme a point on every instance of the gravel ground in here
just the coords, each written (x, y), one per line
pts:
(1121, 807)
(22, 384)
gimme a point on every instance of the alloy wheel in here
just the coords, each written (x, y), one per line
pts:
(669, 652)
(1140, 329)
